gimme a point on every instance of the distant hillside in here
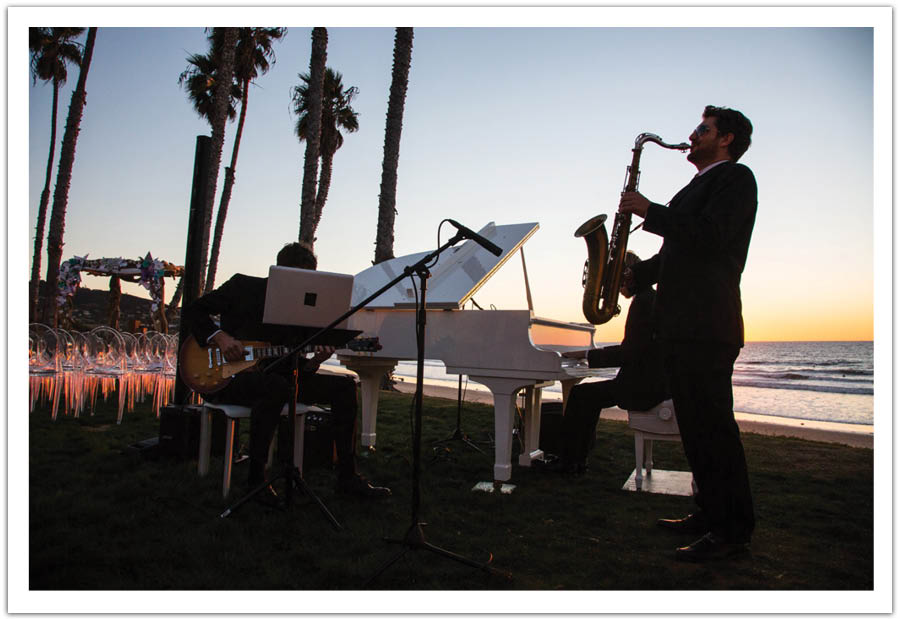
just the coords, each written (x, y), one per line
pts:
(91, 309)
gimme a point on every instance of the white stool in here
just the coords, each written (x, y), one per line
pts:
(232, 413)
(656, 424)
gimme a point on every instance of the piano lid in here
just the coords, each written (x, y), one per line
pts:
(459, 273)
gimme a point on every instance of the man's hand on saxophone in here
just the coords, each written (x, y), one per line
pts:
(633, 202)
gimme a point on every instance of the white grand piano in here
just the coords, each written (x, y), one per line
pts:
(505, 350)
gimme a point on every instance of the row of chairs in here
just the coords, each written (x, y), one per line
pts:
(71, 369)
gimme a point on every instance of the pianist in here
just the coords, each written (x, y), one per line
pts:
(639, 385)
(240, 302)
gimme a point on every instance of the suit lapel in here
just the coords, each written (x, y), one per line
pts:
(696, 182)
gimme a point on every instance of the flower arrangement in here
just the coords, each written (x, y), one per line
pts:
(150, 270)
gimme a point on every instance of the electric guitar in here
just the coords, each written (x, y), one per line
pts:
(205, 370)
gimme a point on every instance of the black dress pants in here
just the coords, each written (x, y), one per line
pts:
(266, 394)
(700, 380)
(583, 407)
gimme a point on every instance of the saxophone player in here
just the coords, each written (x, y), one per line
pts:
(706, 232)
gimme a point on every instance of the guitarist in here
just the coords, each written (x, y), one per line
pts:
(239, 303)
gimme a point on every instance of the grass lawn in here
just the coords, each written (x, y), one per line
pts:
(101, 518)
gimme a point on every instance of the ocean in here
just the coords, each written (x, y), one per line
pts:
(818, 381)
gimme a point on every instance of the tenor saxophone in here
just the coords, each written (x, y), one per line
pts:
(602, 276)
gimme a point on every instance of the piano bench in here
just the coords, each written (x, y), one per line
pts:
(656, 424)
(232, 413)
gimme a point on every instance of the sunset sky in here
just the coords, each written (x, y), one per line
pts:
(511, 116)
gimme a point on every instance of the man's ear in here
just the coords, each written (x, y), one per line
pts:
(727, 139)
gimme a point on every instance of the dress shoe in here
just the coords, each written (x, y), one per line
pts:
(267, 497)
(711, 548)
(565, 467)
(357, 485)
(692, 523)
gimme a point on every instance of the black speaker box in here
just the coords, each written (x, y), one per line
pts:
(179, 432)
(318, 441)
(551, 440)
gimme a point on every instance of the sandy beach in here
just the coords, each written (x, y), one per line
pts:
(854, 435)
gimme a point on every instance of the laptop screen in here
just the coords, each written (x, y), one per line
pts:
(304, 298)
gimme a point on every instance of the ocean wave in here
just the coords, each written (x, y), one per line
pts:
(769, 384)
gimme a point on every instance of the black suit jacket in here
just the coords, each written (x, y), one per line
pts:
(239, 303)
(640, 383)
(706, 233)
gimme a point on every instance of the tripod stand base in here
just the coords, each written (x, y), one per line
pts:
(294, 481)
(415, 540)
(458, 435)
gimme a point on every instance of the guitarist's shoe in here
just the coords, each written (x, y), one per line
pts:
(357, 485)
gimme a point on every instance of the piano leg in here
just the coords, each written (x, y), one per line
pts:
(532, 435)
(370, 372)
(504, 391)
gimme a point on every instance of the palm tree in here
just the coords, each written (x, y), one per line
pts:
(315, 85)
(51, 50)
(336, 115)
(211, 88)
(387, 199)
(64, 180)
(253, 55)
(199, 80)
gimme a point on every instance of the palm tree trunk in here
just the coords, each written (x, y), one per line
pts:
(226, 194)
(311, 160)
(176, 299)
(115, 299)
(387, 199)
(218, 120)
(34, 284)
(324, 184)
(64, 179)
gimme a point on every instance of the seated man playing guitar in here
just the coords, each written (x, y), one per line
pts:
(240, 303)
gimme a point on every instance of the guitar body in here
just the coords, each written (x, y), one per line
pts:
(205, 370)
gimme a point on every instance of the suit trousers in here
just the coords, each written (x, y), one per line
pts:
(266, 394)
(699, 376)
(583, 407)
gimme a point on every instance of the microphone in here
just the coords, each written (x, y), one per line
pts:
(469, 234)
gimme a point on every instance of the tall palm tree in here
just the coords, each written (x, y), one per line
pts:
(315, 86)
(253, 57)
(199, 80)
(387, 199)
(337, 115)
(64, 179)
(211, 88)
(51, 50)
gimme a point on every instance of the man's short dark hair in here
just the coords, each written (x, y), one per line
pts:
(731, 121)
(298, 256)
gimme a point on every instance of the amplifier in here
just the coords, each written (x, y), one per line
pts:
(318, 440)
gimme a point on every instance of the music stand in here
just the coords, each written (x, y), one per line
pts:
(290, 473)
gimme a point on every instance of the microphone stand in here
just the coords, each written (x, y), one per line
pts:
(414, 539)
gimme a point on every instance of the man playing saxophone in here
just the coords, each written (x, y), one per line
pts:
(706, 232)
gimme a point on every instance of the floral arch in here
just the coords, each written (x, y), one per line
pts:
(147, 271)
